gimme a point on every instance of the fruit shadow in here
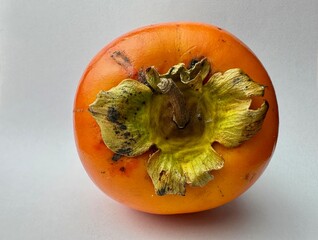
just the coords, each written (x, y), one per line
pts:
(232, 215)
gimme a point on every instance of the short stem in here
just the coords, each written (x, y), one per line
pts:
(180, 113)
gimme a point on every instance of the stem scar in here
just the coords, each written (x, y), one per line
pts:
(180, 113)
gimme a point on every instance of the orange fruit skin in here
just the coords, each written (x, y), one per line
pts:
(164, 45)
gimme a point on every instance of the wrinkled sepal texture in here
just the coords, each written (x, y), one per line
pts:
(170, 172)
(122, 114)
(226, 105)
(134, 116)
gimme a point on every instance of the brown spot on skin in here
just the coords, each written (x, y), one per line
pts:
(123, 60)
(249, 176)
(120, 58)
(220, 191)
(102, 172)
(122, 169)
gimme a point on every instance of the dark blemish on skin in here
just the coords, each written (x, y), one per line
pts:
(223, 40)
(220, 28)
(122, 169)
(122, 59)
(116, 157)
(222, 195)
(112, 115)
(102, 172)
(249, 177)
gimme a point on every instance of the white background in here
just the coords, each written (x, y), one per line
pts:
(45, 192)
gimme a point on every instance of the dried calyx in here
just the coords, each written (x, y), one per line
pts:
(182, 116)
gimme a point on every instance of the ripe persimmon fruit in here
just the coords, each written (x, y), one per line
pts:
(175, 118)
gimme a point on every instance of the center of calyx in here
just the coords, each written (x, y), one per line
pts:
(182, 117)
(174, 129)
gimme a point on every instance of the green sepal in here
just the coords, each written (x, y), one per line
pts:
(171, 171)
(194, 76)
(226, 101)
(133, 117)
(122, 114)
(152, 78)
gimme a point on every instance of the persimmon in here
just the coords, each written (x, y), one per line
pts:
(175, 118)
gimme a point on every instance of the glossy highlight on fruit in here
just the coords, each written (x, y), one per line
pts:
(175, 118)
